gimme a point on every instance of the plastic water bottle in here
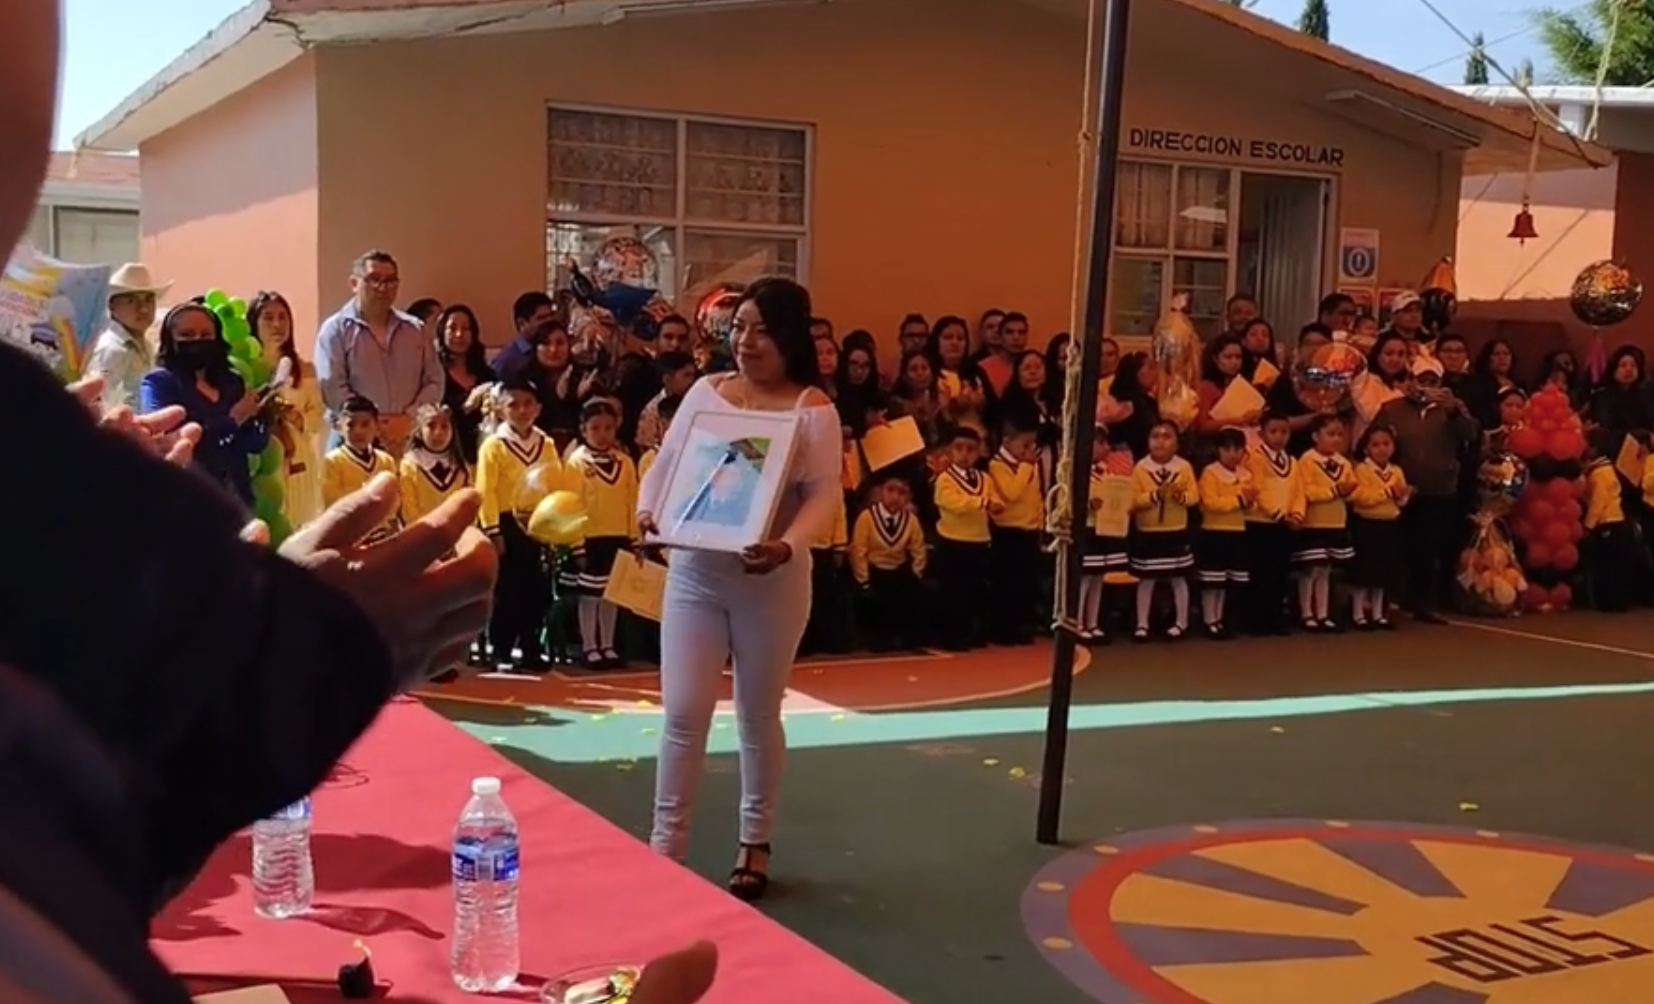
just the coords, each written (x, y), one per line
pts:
(486, 957)
(283, 880)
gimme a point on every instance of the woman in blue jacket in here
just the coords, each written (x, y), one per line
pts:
(195, 374)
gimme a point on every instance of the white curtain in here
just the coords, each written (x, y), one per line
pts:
(1143, 206)
(1290, 238)
(97, 236)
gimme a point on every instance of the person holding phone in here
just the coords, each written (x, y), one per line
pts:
(195, 374)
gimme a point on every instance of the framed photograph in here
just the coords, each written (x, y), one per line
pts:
(724, 488)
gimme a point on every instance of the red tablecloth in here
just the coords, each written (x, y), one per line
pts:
(591, 893)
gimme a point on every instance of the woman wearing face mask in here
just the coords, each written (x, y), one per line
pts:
(768, 584)
(194, 374)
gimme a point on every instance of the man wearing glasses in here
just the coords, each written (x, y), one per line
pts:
(370, 349)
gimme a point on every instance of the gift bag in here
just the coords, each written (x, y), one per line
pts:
(637, 584)
(1490, 579)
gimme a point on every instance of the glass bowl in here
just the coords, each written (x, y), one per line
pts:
(608, 983)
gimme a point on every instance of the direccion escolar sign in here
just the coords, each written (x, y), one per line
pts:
(1176, 141)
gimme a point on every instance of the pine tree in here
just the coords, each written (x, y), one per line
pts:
(1315, 21)
(1475, 64)
(1577, 40)
(1524, 73)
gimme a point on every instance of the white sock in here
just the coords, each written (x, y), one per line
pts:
(1358, 604)
(1375, 603)
(1219, 597)
(1210, 615)
(586, 609)
(607, 614)
(1145, 603)
(1323, 593)
(1091, 602)
(1306, 594)
(1180, 603)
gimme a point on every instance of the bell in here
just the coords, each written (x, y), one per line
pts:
(1522, 229)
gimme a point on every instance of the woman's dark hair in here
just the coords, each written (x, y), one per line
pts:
(968, 370)
(545, 329)
(1314, 328)
(1056, 376)
(1377, 353)
(784, 306)
(169, 336)
(263, 300)
(1623, 352)
(476, 357)
(1484, 356)
(1552, 364)
(422, 308)
(901, 388)
(1127, 387)
(1209, 370)
(1020, 406)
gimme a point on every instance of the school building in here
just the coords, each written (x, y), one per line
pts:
(896, 155)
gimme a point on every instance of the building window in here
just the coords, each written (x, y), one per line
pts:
(1172, 234)
(714, 200)
(39, 235)
(94, 236)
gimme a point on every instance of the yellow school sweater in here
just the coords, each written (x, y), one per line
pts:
(502, 461)
(1164, 494)
(427, 481)
(1648, 480)
(837, 534)
(1017, 484)
(1375, 490)
(962, 498)
(1318, 502)
(1222, 506)
(606, 481)
(345, 470)
(1602, 495)
(886, 540)
(1275, 475)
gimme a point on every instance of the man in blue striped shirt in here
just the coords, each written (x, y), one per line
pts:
(370, 349)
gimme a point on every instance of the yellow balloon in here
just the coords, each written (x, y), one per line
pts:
(559, 520)
(536, 484)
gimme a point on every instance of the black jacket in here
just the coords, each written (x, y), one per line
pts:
(220, 681)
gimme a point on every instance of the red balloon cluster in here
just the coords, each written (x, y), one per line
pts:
(1547, 521)
(1552, 430)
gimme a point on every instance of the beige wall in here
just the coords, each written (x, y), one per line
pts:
(229, 197)
(945, 156)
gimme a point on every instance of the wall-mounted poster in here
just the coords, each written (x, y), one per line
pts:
(1357, 256)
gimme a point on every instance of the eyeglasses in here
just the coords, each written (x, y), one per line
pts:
(382, 281)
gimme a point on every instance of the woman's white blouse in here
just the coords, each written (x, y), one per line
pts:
(809, 505)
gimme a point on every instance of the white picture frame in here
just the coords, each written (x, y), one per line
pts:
(726, 483)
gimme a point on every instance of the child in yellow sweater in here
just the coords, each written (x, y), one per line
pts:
(1015, 537)
(1226, 495)
(1161, 542)
(1380, 565)
(1609, 542)
(1320, 517)
(1105, 552)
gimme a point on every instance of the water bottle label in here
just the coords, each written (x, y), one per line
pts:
(298, 810)
(475, 863)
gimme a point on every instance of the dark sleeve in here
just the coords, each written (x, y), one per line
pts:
(226, 679)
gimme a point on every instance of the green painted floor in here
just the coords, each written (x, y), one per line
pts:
(907, 838)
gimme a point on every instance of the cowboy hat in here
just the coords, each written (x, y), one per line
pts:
(134, 277)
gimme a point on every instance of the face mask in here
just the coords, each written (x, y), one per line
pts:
(195, 355)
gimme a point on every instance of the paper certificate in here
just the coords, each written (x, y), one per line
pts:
(895, 440)
(1240, 399)
(1113, 496)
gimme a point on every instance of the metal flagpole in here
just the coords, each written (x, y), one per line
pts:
(1110, 72)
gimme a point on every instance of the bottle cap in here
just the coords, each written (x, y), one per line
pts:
(485, 786)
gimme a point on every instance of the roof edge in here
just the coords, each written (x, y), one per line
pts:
(230, 32)
(1610, 97)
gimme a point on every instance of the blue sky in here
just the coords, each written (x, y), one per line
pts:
(115, 45)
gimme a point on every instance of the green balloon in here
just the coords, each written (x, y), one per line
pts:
(269, 492)
(216, 298)
(236, 330)
(237, 306)
(243, 368)
(280, 529)
(272, 462)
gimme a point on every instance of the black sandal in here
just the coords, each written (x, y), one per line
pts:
(747, 883)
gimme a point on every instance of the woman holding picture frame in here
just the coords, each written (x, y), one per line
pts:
(764, 444)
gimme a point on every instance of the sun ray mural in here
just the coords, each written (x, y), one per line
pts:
(1347, 913)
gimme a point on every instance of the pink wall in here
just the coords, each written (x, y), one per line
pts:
(945, 165)
(229, 197)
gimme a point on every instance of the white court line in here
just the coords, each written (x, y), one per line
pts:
(1589, 646)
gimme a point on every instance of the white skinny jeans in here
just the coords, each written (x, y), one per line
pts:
(713, 610)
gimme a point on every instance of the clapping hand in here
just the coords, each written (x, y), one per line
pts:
(163, 433)
(427, 587)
